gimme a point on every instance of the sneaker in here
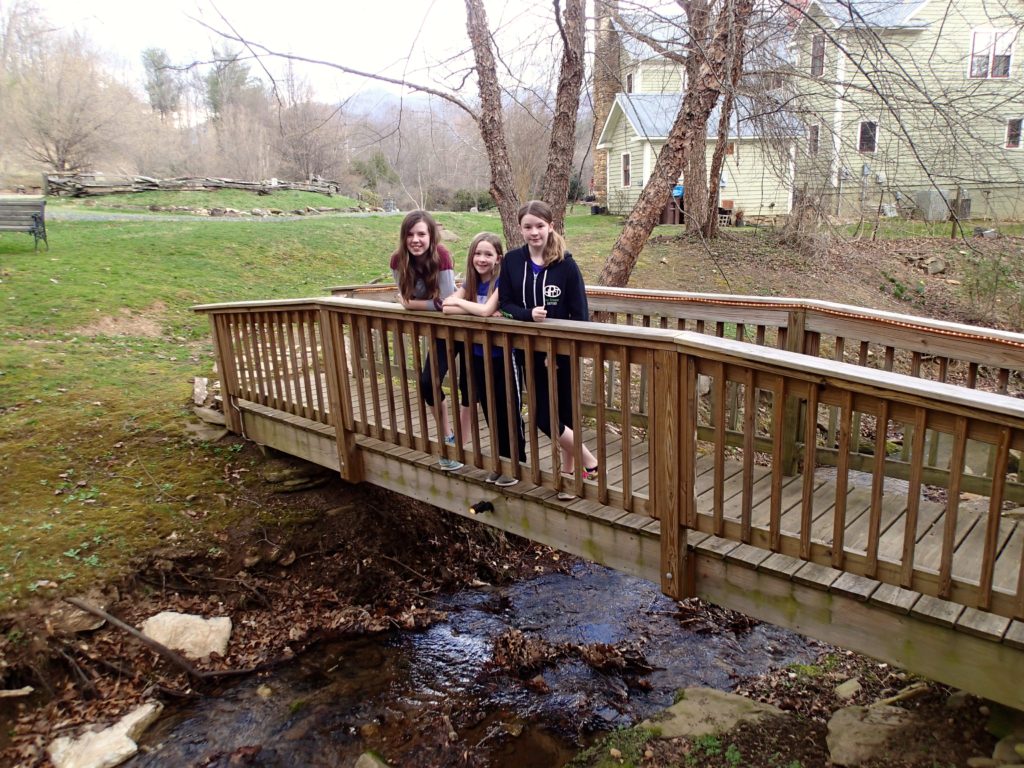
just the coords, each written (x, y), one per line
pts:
(590, 474)
(449, 465)
(566, 495)
(493, 477)
(504, 481)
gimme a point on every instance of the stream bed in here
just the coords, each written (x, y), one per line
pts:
(433, 698)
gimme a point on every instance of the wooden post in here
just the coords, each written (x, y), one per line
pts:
(340, 397)
(795, 338)
(227, 370)
(674, 383)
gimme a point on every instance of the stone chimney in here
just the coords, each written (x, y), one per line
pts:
(606, 84)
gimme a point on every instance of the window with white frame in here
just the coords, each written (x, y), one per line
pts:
(991, 50)
(813, 137)
(629, 82)
(1013, 131)
(625, 169)
(867, 137)
(817, 56)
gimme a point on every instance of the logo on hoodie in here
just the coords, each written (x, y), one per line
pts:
(552, 293)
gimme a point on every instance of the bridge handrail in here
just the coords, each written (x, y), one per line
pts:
(726, 393)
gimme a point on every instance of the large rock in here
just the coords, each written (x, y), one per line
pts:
(705, 711)
(194, 636)
(106, 748)
(857, 734)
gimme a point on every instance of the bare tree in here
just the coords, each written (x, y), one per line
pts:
(687, 135)
(66, 109)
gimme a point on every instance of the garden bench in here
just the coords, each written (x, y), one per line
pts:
(24, 214)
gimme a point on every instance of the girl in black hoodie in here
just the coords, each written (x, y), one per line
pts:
(540, 281)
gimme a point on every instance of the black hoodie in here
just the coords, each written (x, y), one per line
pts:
(558, 287)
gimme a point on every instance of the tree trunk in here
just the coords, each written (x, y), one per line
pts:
(554, 188)
(492, 127)
(695, 172)
(735, 65)
(701, 95)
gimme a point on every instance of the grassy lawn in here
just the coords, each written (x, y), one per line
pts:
(98, 347)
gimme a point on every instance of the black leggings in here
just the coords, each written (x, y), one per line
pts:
(563, 384)
(441, 353)
(501, 398)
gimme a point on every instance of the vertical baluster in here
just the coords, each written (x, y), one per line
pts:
(956, 473)
(252, 330)
(418, 361)
(718, 421)
(810, 462)
(602, 433)
(913, 498)
(842, 480)
(625, 369)
(513, 410)
(358, 361)
(760, 337)
(995, 511)
(273, 367)
(389, 382)
(778, 462)
(318, 348)
(749, 431)
(877, 488)
(531, 408)
(402, 357)
(366, 324)
(301, 363)
(291, 403)
(492, 410)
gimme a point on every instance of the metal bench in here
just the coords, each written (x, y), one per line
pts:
(24, 214)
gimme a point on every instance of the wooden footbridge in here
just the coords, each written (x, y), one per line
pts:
(853, 475)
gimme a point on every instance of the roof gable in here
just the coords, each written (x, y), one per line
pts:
(651, 115)
(872, 14)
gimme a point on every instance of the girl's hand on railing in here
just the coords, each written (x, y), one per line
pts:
(538, 314)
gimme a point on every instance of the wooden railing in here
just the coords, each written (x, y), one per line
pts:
(703, 433)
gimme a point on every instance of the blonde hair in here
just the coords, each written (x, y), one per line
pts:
(554, 248)
(472, 282)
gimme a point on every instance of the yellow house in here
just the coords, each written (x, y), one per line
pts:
(757, 176)
(911, 108)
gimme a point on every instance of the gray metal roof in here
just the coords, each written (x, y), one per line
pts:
(651, 115)
(877, 14)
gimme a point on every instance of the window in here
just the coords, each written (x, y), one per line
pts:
(1013, 130)
(625, 170)
(817, 56)
(629, 83)
(990, 54)
(813, 134)
(867, 140)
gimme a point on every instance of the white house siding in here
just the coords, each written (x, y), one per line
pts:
(621, 199)
(967, 151)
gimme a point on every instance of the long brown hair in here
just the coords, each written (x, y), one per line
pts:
(472, 281)
(426, 267)
(554, 249)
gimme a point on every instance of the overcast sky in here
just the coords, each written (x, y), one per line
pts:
(376, 35)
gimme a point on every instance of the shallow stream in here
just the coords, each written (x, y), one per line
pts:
(430, 698)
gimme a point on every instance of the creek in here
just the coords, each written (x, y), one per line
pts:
(432, 698)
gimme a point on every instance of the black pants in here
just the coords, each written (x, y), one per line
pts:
(441, 353)
(501, 397)
(563, 388)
